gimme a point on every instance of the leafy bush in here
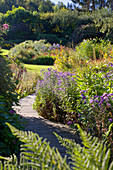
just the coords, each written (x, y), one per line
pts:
(52, 38)
(37, 154)
(22, 23)
(95, 49)
(31, 52)
(8, 143)
(85, 32)
(85, 97)
(96, 101)
(56, 95)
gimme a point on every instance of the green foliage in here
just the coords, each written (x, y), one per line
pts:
(93, 49)
(8, 143)
(103, 20)
(46, 6)
(31, 52)
(64, 22)
(22, 22)
(36, 153)
(5, 76)
(56, 96)
(94, 154)
(63, 25)
(52, 38)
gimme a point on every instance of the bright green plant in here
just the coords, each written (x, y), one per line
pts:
(36, 153)
(93, 49)
(94, 154)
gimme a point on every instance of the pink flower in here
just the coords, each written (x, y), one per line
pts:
(6, 26)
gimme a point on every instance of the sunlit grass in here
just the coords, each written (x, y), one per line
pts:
(4, 52)
(36, 68)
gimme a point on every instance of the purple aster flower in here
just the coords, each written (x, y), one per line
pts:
(91, 101)
(12, 111)
(69, 122)
(104, 94)
(82, 91)
(105, 97)
(108, 104)
(83, 97)
(110, 120)
(97, 101)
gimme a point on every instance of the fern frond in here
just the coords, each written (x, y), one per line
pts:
(94, 154)
(111, 166)
(37, 153)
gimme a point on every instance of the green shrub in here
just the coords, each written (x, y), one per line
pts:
(93, 49)
(31, 52)
(53, 38)
(22, 23)
(84, 32)
(8, 143)
(41, 60)
(37, 154)
(56, 96)
(85, 98)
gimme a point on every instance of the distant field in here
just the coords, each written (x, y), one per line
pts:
(36, 68)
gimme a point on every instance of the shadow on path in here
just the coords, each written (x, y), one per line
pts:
(43, 127)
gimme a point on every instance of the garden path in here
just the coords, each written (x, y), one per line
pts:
(43, 127)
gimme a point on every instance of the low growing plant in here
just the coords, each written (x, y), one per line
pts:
(68, 59)
(56, 95)
(29, 52)
(37, 154)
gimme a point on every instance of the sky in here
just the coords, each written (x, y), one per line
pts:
(64, 1)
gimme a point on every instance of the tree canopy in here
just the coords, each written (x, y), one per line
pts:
(92, 4)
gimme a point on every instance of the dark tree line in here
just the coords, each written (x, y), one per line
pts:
(91, 5)
(33, 5)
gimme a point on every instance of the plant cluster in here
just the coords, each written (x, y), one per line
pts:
(64, 26)
(8, 143)
(85, 97)
(37, 153)
(56, 95)
(37, 52)
(88, 50)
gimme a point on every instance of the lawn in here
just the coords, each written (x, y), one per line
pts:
(4, 52)
(36, 68)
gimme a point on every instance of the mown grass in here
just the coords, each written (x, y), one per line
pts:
(4, 52)
(36, 68)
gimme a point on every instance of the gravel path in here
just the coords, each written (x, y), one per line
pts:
(44, 128)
